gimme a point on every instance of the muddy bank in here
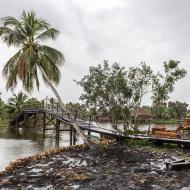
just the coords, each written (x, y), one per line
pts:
(111, 167)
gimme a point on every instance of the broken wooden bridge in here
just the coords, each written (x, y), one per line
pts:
(55, 118)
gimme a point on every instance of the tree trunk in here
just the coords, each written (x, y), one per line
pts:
(114, 122)
(75, 125)
(135, 121)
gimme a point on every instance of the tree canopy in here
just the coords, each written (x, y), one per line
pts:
(16, 102)
(177, 109)
(27, 33)
(114, 90)
(163, 84)
(107, 89)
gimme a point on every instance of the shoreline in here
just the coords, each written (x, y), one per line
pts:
(22, 162)
(112, 166)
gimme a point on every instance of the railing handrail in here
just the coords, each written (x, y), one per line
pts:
(72, 112)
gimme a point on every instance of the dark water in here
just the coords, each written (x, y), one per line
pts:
(28, 141)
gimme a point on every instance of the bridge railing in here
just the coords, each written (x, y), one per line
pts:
(32, 106)
(71, 112)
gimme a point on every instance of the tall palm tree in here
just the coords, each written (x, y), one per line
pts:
(16, 102)
(27, 33)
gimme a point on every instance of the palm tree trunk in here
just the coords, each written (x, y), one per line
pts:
(75, 125)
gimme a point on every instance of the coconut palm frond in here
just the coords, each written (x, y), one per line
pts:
(47, 34)
(56, 56)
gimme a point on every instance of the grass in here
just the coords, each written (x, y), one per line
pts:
(135, 132)
(165, 122)
(138, 142)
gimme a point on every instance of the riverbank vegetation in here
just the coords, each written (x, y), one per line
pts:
(108, 93)
(118, 92)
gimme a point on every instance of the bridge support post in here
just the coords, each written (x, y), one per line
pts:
(17, 124)
(24, 117)
(71, 136)
(74, 136)
(57, 127)
(90, 120)
(34, 120)
(44, 125)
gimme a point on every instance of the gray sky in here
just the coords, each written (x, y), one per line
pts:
(124, 31)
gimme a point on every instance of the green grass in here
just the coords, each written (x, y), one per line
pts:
(149, 145)
(132, 132)
(138, 142)
(165, 122)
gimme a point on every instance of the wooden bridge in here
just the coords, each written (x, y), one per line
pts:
(54, 116)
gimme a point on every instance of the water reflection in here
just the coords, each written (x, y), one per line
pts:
(27, 141)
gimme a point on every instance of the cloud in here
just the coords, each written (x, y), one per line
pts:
(126, 31)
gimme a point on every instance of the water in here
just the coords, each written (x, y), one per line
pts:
(28, 141)
(142, 127)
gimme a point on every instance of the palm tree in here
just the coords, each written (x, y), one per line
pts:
(16, 102)
(27, 33)
(52, 101)
(33, 101)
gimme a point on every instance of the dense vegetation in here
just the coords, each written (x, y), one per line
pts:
(112, 89)
(118, 92)
(18, 101)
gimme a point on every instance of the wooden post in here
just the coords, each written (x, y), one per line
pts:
(90, 120)
(34, 119)
(74, 130)
(44, 125)
(74, 137)
(57, 127)
(71, 136)
(24, 117)
(17, 124)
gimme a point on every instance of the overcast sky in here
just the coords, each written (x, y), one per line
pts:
(124, 31)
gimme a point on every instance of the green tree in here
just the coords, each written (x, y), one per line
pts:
(161, 112)
(28, 33)
(81, 109)
(16, 103)
(140, 79)
(163, 84)
(178, 109)
(33, 101)
(53, 101)
(106, 89)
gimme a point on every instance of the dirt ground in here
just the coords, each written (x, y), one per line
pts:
(114, 167)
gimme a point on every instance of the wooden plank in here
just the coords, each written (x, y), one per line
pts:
(179, 166)
(174, 162)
